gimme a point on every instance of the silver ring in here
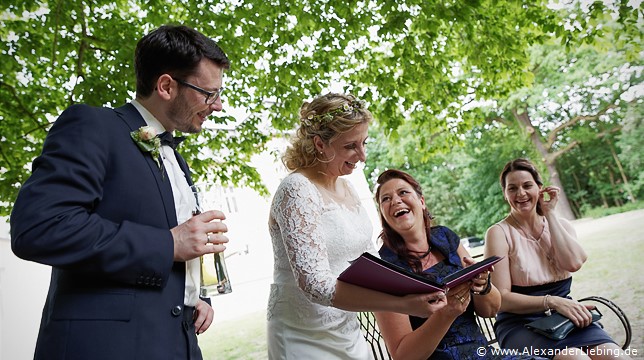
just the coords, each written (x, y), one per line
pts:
(207, 238)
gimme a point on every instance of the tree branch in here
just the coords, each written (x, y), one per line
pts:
(500, 119)
(554, 155)
(609, 131)
(21, 106)
(56, 31)
(552, 137)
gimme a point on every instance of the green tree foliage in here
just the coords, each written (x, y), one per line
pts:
(416, 61)
(631, 149)
(578, 97)
(567, 121)
(461, 187)
(591, 175)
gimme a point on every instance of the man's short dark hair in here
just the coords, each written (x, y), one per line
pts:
(175, 50)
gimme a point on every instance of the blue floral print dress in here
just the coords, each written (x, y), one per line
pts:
(464, 340)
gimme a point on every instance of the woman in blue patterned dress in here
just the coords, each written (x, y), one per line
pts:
(411, 242)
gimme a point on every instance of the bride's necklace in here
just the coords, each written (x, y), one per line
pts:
(523, 229)
(339, 194)
(321, 185)
(334, 194)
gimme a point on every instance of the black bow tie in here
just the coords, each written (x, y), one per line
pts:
(171, 141)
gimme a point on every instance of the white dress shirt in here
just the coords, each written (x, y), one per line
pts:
(184, 202)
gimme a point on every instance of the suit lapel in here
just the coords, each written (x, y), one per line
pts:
(131, 116)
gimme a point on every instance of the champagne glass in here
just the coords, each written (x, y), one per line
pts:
(214, 274)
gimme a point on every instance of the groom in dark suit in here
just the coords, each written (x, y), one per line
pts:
(109, 207)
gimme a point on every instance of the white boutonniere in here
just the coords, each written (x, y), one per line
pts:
(146, 139)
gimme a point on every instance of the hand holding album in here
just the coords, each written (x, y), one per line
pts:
(481, 282)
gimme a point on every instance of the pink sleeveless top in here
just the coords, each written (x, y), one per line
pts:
(531, 261)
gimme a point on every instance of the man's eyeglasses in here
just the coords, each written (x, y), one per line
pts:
(211, 96)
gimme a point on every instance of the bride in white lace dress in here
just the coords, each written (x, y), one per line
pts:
(317, 224)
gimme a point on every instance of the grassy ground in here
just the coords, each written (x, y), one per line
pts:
(615, 247)
(240, 339)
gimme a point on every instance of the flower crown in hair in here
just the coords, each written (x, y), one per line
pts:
(328, 116)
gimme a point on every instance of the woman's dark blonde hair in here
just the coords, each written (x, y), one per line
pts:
(302, 152)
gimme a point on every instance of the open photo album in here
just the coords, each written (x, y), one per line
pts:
(374, 273)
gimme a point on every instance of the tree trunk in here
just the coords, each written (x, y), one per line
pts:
(583, 197)
(631, 196)
(616, 199)
(563, 205)
(604, 201)
(575, 208)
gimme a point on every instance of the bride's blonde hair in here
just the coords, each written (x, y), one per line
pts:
(327, 116)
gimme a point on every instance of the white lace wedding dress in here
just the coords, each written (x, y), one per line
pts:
(314, 238)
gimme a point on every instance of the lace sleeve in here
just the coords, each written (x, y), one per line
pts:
(297, 212)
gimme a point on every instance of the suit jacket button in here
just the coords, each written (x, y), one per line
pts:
(176, 311)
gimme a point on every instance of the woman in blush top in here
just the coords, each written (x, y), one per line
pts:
(540, 253)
